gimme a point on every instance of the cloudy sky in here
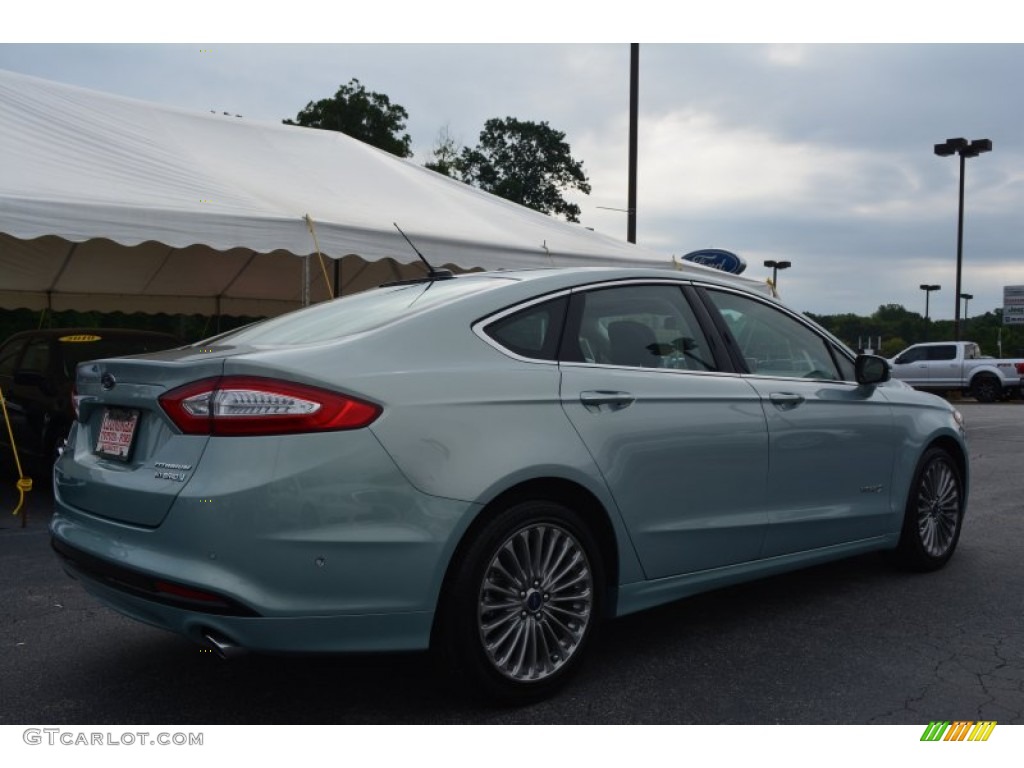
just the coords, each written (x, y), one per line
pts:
(818, 153)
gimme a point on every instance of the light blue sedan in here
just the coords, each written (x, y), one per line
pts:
(492, 464)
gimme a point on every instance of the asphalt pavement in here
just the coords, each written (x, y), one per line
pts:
(854, 642)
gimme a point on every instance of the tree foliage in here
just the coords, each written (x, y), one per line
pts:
(898, 328)
(362, 114)
(525, 162)
(445, 153)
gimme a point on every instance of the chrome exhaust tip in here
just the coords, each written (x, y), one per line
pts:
(223, 647)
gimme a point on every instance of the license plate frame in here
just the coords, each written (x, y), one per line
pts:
(117, 432)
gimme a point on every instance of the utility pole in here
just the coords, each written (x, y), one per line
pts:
(634, 100)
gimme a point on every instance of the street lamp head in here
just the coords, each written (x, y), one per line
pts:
(967, 296)
(981, 145)
(963, 147)
(951, 146)
(930, 288)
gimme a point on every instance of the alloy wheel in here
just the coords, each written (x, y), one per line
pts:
(535, 602)
(938, 507)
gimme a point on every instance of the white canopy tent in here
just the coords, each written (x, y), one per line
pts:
(108, 203)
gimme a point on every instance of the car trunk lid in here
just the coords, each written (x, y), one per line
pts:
(127, 461)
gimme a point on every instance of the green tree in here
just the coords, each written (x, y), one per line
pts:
(525, 162)
(445, 153)
(892, 346)
(362, 114)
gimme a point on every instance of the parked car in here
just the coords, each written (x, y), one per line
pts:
(943, 366)
(37, 370)
(491, 465)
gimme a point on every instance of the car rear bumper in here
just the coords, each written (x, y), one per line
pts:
(304, 634)
(340, 553)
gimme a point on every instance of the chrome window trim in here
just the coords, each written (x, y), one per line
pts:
(480, 326)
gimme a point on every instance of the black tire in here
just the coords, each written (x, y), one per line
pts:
(934, 513)
(523, 603)
(986, 389)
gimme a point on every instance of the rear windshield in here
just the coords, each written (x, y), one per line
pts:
(353, 314)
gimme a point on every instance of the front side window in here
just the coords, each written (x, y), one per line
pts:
(912, 355)
(638, 326)
(847, 369)
(772, 342)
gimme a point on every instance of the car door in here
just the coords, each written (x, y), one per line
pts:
(944, 366)
(682, 446)
(832, 442)
(912, 367)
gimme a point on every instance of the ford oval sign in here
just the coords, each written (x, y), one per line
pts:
(727, 261)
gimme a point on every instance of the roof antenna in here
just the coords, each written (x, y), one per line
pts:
(433, 274)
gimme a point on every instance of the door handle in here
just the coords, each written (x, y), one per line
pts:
(614, 400)
(785, 401)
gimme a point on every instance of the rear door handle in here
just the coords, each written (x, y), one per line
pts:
(614, 400)
(785, 401)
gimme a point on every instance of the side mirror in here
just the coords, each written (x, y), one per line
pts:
(899, 360)
(871, 369)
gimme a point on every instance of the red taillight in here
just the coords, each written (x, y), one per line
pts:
(1020, 368)
(250, 405)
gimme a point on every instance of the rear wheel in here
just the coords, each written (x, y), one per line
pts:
(934, 513)
(986, 389)
(523, 603)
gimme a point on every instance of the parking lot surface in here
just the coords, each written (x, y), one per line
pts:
(853, 642)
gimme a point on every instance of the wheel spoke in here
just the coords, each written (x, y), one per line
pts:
(535, 602)
(938, 508)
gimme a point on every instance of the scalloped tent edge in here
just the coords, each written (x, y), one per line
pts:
(115, 204)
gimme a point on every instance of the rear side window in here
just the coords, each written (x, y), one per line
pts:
(943, 352)
(37, 356)
(532, 332)
(638, 326)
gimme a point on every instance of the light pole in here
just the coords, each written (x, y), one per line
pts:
(966, 297)
(634, 98)
(775, 266)
(965, 149)
(927, 294)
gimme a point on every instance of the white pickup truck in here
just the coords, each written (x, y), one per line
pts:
(941, 366)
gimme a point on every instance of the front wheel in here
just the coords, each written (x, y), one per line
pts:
(934, 513)
(523, 602)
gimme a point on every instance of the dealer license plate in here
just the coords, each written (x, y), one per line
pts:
(117, 431)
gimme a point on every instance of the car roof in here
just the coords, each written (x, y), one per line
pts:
(542, 280)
